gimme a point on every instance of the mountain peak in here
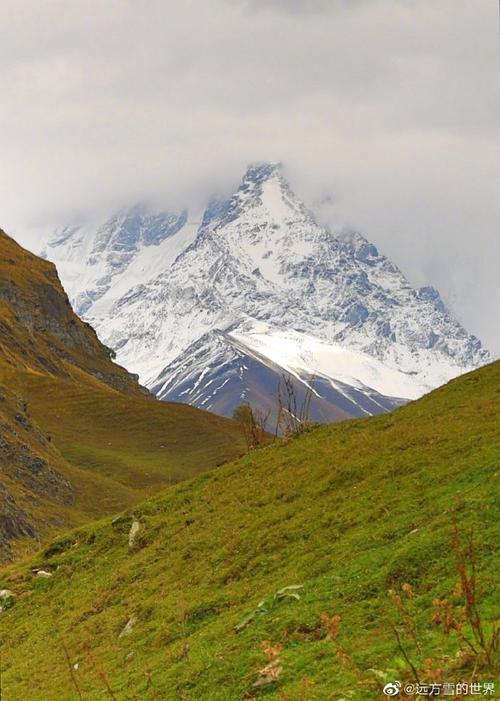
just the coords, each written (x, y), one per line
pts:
(260, 171)
(262, 256)
(257, 175)
(263, 187)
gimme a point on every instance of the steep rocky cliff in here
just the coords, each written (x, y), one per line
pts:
(79, 437)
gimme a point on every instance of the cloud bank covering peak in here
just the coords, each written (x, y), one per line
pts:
(384, 112)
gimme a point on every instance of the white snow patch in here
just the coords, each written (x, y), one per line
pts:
(303, 352)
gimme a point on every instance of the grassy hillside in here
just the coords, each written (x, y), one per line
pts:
(345, 512)
(79, 438)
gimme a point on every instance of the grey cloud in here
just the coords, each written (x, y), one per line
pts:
(390, 106)
(310, 6)
(299, 6)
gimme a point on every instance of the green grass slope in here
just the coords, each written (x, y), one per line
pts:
(345, 511)
(79, 438)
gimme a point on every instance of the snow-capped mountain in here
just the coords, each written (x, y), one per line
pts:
(222, 369)
(203, 306)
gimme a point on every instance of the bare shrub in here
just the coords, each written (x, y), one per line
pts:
(253, 423)
(293, 413)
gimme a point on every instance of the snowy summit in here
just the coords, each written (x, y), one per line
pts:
(210, 308)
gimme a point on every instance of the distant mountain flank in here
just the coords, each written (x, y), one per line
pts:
(79, 437)
(222, 370)
(161, 286)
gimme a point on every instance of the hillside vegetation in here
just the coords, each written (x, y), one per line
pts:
(268, 577)
(79, 438)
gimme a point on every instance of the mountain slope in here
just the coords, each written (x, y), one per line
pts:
(222, 370)
(153, 285)
(346, 511)
(78, 436)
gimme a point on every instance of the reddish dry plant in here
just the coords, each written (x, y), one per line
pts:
(408, 590)
(149, 685)
(100, 673)
(443, 615)
(465, 557)
(408, 621)
(476, 648)
(331, 625)
(273, 669)
(432, 670)
(457, 619)
(71, 672)
(406, 612)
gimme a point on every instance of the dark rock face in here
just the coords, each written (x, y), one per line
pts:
(44, 312)
(47, 354)
(27, 477)
(20, 462)
(14, 523)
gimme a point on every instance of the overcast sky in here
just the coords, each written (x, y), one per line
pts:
(391, 108)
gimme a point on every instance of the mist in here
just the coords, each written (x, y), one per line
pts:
(385, 114)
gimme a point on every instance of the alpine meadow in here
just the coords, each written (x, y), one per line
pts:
(249, 350)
